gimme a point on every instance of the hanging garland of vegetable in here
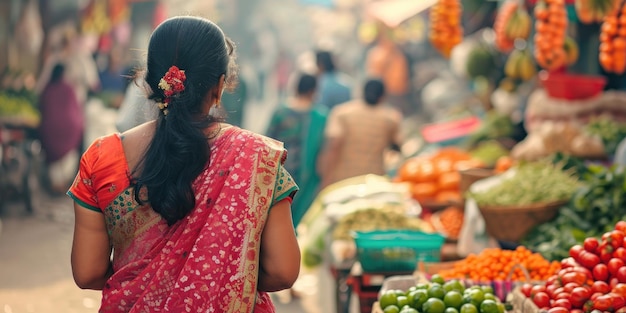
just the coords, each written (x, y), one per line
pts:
(613, 41)
(446, 30)
(594, 11)
(512, 22)
(550, 34)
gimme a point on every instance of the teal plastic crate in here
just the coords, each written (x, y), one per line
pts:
(396, 250)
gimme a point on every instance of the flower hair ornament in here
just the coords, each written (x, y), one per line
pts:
(172, 84)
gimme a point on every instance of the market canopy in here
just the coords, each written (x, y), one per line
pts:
(393, 12)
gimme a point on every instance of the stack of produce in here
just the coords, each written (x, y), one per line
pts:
(512, 22)
(613, 39)
(435, 178)
(610, 132)
(532, 183)
(446, 30)
(376, 219)
(596, 206)
(592, 278)
(550, 34)
(497, 264)
(439, 296)
(449, 222)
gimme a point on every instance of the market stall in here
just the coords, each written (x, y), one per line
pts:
(516, 180)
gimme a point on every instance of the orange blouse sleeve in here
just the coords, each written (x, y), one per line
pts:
(82, 190)
(102, 174)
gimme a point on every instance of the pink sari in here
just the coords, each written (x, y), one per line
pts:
(207, 262)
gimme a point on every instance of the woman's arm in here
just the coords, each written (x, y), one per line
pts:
(280, 254)
(91, 250)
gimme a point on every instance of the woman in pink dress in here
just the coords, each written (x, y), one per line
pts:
(185, 214)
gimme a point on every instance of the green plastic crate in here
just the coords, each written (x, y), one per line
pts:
(396, 250)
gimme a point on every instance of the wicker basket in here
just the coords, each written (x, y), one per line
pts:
(512, 223)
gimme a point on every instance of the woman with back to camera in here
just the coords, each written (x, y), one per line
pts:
(196, 212)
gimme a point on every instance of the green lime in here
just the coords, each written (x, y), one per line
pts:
(388, 298)
(487, 289)
(436, 291)
(453, 285)
(418, 298)
(453, 299)
(402, 301)
(501, 308)
(437, 279)
(476, 297)
(468, 308)
(422, 286)
(412, 288)
(489, 296)
(408, 309)
(391, 309)
(489, 306)
(434, 305)
(399, 292)
(451, 310)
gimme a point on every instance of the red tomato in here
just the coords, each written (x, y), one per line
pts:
(595, 296)
(600, 272)
(541, 299)
(563, 303)
(620, 289)
(603, 303)
(551, 290)
(578, 278)
(569, 262)
(537, 289)
(562, 295)
(569, 287)
(588, 259)
(620, 253)
(526, 289)
(600, 287)
(591, 244)
(558, 310)
(579, 296)
(575, 251)
(576, 311)
(614, 265)
(618, 301)
(605, 253)
(621, 226)
(621, 274)
(615, 238)
(553, 280)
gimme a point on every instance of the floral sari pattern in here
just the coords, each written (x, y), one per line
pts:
(206, 262)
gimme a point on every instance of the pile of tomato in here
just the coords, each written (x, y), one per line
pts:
(592, 279)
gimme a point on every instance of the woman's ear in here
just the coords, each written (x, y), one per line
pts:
(219, 90)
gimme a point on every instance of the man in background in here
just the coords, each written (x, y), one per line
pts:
(334, 87)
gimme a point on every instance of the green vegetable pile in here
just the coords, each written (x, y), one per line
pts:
(532, 183)
(595, 207)
(609, 131)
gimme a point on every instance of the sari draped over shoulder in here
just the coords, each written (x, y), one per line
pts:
(206, 262)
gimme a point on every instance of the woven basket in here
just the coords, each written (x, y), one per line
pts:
(512, 223)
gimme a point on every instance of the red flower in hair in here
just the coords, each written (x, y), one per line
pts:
(173, 82)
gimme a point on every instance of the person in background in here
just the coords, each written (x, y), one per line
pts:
(334, 87)
(387, 61)
(357, 135)
(300, 125)
(61, 129)
(81, 70)
(185, 213)
(113, 79)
